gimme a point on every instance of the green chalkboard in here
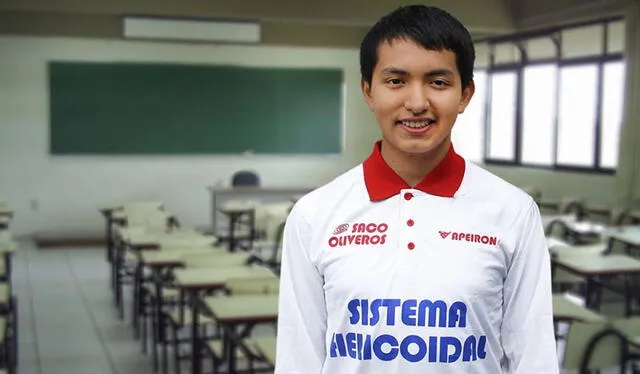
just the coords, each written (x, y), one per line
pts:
(145, 108)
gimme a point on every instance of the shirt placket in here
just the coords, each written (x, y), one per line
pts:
(407, 240)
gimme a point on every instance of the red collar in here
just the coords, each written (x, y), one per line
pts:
(382, 182)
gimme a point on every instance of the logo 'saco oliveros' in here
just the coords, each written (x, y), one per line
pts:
(361, 234)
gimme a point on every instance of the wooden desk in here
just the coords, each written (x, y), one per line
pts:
(591, 267)
(243, 308)
(137, 240)
(628, 236)
(566, 310)
(265, 195)
(192, 281)
(173, 257)
(207, 278)
(579, 250)
(237, 311)
(140, 239)
(161, 261)
(235, 214)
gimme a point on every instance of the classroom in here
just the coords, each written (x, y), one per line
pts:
(151, 152)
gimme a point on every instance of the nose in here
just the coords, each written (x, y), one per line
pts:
(416, 101)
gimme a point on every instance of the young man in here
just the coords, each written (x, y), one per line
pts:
(416, 261)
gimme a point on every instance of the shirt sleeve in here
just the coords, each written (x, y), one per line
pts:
(527, 327)
(300, 347)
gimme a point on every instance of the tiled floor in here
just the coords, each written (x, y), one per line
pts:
(67, 322)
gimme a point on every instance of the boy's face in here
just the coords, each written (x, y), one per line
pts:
(416, 95)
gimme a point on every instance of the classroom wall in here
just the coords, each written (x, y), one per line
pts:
(597, 189)
(63, 193)
(539, 13)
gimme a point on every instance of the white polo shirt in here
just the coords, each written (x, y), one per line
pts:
(452, 276)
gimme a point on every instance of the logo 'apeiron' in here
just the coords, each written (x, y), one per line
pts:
(469, 237)
(361, 234)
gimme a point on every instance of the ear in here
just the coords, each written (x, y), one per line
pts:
(467, 94)
(366, 93)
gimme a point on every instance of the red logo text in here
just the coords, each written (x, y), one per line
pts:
(361, 234)
(469, 237)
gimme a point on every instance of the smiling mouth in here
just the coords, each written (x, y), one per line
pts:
(416, 124)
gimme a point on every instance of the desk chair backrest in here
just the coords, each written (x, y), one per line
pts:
(557, 228)
(573, 205)
(269, 216)
(620, 217)
(593, 346)
(534, 192)
(245, 178)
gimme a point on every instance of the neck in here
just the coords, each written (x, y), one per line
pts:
(412, 168)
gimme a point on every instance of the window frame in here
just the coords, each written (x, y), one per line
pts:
(555, 34)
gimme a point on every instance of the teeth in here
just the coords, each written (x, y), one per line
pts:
(416, 125)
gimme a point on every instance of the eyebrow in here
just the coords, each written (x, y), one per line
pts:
(431, 73)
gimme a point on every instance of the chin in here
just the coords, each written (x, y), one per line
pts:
(418, 146)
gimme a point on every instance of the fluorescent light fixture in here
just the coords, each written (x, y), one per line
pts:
(191, 30)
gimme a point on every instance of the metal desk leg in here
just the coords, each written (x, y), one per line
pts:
(109, 232)
(196, 362)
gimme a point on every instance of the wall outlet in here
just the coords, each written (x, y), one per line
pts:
(34, 205)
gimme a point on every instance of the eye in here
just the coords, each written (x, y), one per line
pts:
(395, 82)
(440, 83)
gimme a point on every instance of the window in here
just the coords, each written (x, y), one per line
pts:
(577, 115)
(502, 114)
(538, 114)
(556, 96)
(612, 107)
(468, 132)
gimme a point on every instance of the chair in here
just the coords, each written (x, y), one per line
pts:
(572, 205)
(181, 317)
(594, 346)
(243, 286)
(620, 217)
(245, 178)
(125, 267)
(534, 192)
(630, 328)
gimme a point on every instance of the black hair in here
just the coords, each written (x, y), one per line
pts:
(431, 27)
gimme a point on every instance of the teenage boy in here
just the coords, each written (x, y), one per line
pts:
(416, 261)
